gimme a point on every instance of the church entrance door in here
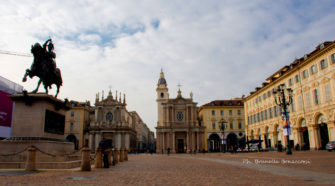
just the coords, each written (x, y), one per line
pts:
(180, 146)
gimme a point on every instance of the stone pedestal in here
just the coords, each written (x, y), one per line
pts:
(39, 120)
(38, 116)
(85, 160)
(98, 158)
(116, 156)
(31, 159)
(125, 155)
(121, 155)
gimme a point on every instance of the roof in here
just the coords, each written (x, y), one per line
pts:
(225, 103)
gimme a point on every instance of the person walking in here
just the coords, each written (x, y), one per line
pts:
(104, 147)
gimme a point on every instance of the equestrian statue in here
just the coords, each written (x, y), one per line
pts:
(44, 67)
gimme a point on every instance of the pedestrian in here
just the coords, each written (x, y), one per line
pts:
(162, 151)
(168, 150)
(195, 151)
(224, 145)
(104, 147)
(191, 151)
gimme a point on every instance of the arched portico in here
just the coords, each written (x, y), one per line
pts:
(72, 138)
(214, 142)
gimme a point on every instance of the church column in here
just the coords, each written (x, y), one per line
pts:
(118, 141)
(163, 145)
(91, 142)
(127, 141)
(158, 142)
(193, 140)
(191, 119)
(173, 142)
(97, 140)
(198, 141)
(187, 141)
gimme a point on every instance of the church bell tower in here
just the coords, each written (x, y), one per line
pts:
(162, 97)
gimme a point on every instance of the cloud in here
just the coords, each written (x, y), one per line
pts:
(216, 49)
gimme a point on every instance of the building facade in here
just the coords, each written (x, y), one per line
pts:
(112, 122)
(177, 128)
(312, 112)
(77, 121)
(230, 112)
(143, 140)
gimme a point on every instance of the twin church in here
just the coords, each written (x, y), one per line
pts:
(178, 127)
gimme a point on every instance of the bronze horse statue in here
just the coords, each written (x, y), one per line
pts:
(44, 67)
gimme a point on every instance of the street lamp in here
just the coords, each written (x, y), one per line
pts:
(284, 101)
(222, 123)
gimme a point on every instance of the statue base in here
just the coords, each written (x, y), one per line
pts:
(39, 120)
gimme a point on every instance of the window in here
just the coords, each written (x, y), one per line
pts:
(72, 114)
(300, 102)
(255, 119)
(264, 96)
(297, 78)
(305, 74)
(265, 114)
(213, 125)
(290, 82)
(180, 116)
(308, 99)
(327, 92)
(316, 96)
(213, 112)
(71, 127)
(258, 117)
(230, 112)
(270, 113)
(262, 118)
(293, 105)
(275, 110)
(222, 112)
(269, 93)
(162, 95)
(323, 64)
(313, 69)
(231, 125)
(239, 125)
(333, 58)
(239, 112)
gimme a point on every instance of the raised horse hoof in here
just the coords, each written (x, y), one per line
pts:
(24, 79)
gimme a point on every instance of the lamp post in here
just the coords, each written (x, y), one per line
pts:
(222, 127)
(284, 101)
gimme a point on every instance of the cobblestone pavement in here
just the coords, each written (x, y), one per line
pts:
(185, 169)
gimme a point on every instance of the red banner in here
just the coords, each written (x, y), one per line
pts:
(6, 108)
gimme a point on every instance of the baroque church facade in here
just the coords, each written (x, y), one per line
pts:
(178, 128)
(112, 122)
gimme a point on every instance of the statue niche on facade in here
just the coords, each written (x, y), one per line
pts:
(44, 67)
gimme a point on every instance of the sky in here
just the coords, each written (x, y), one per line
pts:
(217, 49)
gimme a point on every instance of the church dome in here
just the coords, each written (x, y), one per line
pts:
(161, 81)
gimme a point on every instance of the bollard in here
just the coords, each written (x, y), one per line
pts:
(125, 155)
(31, 159)
(98, 158)
(116, 157)
(122, 155)
(85, 159)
